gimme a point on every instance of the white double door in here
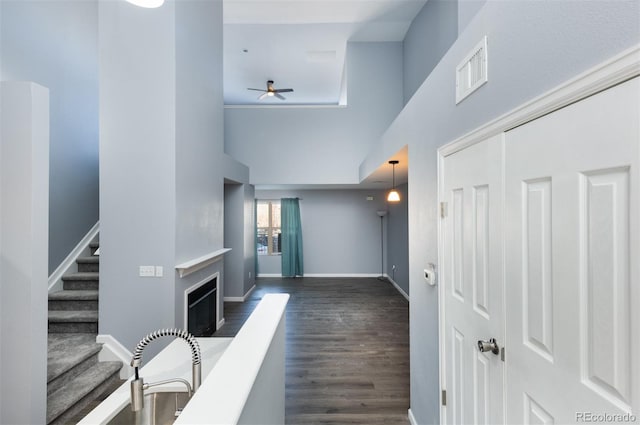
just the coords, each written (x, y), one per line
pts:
(541, 251)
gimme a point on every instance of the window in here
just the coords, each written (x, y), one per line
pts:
(268, 227)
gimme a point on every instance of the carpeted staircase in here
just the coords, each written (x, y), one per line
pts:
(75, 377)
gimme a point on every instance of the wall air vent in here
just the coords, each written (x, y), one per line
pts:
(472, 71)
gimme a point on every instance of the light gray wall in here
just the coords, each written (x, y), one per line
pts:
(1, 279)
(234, 239)
(397, 246)
(161, 161)
(533, 47)
(24, 194)
(239, 229)
(2, 337)
(199, 142)
(467, 9)
(199, 129)
(249, 238)
(340, 231)
(55, 44)
(321, 145)
(137, 170)
(239, 236)
(430, 35)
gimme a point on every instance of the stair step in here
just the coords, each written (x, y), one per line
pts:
(68, 355)
(93, 246)
(64, 403)
(81, 281)
(88, 264)
(74, 300)
(61, 321)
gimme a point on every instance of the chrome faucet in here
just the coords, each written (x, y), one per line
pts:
(138, 386)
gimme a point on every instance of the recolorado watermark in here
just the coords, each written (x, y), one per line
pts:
(591, 417)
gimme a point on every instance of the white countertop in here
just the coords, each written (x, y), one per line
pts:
(172, 362)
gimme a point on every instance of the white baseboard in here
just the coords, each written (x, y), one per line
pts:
(412, 419)
(220, 323)
(325, 275)
(112, 350)
(404, 294)
(69, 263)
(328, 275)
(240, 299)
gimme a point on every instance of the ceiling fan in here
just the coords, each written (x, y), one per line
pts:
(270, 91)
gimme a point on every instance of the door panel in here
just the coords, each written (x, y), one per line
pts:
(606, 322)
(471, 279)
(571, 203)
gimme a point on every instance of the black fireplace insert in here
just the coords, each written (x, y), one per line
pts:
(201, 313)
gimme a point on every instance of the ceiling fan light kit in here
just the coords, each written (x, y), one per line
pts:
(393, 196)
(271, 92)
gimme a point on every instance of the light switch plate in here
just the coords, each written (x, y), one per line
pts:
(159, 271)
(147, 271)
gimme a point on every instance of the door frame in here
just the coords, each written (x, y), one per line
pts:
(618, 69)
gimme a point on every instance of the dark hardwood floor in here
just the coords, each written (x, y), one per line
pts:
(347, 349)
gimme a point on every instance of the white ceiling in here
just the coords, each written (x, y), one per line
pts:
(301, 44)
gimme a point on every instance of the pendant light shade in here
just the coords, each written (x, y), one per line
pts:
(147, 3)
(393, 196)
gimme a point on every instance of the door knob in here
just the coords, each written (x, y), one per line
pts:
(491, 345)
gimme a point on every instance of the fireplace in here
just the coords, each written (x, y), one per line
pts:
(201, 307)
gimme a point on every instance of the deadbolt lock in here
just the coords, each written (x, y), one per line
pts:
(491, 345)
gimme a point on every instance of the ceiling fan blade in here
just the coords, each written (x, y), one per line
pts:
(263, 95)
(256, 89)
(283, 90)
(279, 96)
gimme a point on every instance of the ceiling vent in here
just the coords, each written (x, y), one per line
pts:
(472, 71)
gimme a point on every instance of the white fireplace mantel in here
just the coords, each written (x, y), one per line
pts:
(199, 263)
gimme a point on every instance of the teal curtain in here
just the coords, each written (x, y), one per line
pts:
(292, 259)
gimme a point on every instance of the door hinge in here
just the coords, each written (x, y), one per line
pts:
(443, 209)
(444, 397)
(502, 354)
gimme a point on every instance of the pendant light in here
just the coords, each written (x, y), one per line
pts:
(393, 196)
(147, 3)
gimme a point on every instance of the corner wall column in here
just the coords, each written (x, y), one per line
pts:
(24, 242)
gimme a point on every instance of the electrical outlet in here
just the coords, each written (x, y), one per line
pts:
(159, 271)
(147, 271)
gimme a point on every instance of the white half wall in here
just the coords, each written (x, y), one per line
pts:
(24, 224)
